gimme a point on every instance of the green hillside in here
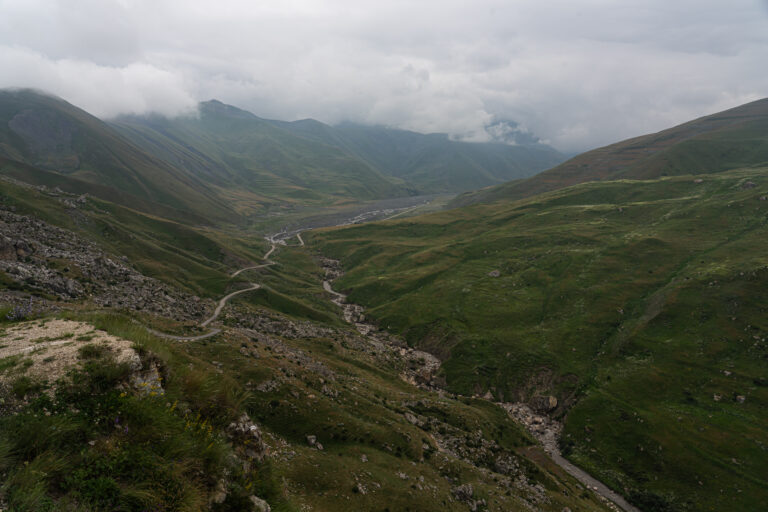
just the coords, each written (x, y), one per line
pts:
(234, 150)
(639, 305)
(431, 163)
(283, 402)
(727, 140)
(49, 133)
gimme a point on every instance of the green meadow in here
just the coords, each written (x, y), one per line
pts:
(640, 305)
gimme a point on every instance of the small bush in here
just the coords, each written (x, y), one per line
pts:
(24, 386)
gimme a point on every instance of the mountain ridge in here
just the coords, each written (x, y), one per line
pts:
(725, 140)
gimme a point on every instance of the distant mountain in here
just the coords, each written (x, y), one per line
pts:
(52, 135)
(229, 147)
(225, 164)
(734, 138)
(434, 163)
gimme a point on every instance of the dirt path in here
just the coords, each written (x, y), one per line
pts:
(220, 306)
(224, 300)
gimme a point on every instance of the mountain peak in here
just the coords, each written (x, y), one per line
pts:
(218, 108)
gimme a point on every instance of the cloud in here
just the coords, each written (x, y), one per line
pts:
(102, 90)
(576, 74)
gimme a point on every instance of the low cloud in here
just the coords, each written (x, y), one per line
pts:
(576, 74)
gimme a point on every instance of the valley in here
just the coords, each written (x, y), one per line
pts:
(260, 315)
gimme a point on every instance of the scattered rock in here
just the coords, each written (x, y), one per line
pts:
(748, 184)
(412, 419)
(494, 273)
(29, 246)
(247, 439)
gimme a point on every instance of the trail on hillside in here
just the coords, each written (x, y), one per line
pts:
(222, 302)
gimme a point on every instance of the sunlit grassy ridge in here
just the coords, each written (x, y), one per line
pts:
(635, 303)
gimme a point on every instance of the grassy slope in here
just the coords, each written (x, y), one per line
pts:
(197, 260)
(234, 149)
(50, 133)
(430, 163)
(209, 384)
(726, 140)
(627, 300)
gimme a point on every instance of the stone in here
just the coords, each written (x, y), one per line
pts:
(259, 505)
(542, 403)
(411, 418)
(7, 249)
(220, 493)
(311, 440)
(494, 273)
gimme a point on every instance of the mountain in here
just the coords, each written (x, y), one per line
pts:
(53, 135)
(225, 164)
(727, 140)
(633, 311)
(432, 163)
(234, 149)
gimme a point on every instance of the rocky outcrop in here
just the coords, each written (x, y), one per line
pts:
(247, 439)
(45, 258)
(466, 494)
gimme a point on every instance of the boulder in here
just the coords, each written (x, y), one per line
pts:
(543, 403)
(259, 505)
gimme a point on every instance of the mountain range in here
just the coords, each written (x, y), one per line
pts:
(225, 164)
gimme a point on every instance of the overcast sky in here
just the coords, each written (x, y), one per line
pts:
(577, 73)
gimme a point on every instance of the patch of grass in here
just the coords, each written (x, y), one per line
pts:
(92, 351)
(100, 447)
(9, 362)
(24, 386)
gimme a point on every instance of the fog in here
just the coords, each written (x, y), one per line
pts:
(575, 74)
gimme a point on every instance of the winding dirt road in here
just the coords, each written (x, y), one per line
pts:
(223, 302)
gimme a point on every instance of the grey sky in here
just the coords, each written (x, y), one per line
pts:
(577, 73)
